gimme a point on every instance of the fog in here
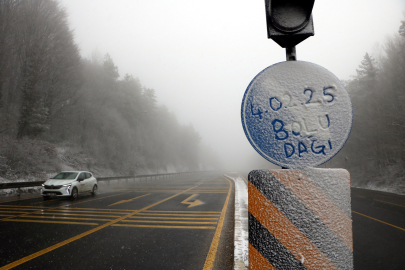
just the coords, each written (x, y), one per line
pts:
(199, 56)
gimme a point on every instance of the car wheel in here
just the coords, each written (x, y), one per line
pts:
(75, 193)
(94, 192)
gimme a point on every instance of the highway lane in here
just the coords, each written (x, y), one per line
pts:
(378, 229)
(178, 223)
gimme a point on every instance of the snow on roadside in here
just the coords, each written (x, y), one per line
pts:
(241, 236)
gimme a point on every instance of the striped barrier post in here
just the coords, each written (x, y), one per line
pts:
(300, 219)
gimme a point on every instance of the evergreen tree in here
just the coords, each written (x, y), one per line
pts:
(367, 69)
(49, 93)
(401, 30)
(110, 69)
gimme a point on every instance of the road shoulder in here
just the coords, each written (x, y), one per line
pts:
(241, 236)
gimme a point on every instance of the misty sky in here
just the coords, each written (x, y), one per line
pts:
(200, 56)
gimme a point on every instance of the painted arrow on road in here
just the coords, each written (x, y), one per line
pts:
(192, 204)
(125, 201)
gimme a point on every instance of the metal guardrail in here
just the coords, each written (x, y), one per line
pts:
(146, 176)
(20, 184)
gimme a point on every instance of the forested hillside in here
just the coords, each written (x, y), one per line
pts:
(375, 151)
(57, 106)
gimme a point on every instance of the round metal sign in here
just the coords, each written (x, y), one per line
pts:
(296, 114)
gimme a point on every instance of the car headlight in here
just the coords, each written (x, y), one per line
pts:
(67, 186)
(43, 185)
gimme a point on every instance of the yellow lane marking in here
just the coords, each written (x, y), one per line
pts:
(58, 207)
(216, 186)
(379, 221)
(65, 214)
(151, 187)
(156, 191)
(5, 215)
(212, 188)
(167, 211)
(130, 200)
(167, 221)
(390, 203)
(46, 221)
(163, 189)
(20, 206)
(244, 179)
(53, 217)
(19, 209)
(360, 196)
(209, 261)
(172, 191)
(60, 244)
(74, 211)
(101, 209)
(96, 198)
(19, 212)
(211, 191)
(216, 189)
(194, 218)
(192, 204)
(161, 226)
(179, 215)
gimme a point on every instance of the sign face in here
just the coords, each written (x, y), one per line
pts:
(296, 114)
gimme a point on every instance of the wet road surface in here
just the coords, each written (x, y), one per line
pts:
(177, 223)
(378, 229)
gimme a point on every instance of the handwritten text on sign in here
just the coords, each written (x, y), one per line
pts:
(296, 114)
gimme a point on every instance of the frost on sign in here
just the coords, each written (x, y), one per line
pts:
(296, 114)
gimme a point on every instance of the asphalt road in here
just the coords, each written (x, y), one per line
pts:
(175, 223)
(378, 230)
(149, 225)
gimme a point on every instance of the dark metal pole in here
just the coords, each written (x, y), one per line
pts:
(291, 53)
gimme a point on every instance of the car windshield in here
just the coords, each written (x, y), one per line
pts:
(65, 175)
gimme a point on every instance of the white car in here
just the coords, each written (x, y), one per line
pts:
(69, 184)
